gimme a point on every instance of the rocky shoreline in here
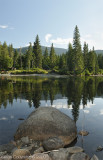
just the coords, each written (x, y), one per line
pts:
(27, 149)
(44, 135)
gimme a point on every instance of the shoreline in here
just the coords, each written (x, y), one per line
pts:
(48, 75)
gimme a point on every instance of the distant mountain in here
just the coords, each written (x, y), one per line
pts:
(58, 51)
(99, 51)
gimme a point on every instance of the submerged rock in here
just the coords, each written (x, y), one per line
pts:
(99, 148)
(46, 122)
(83, 133)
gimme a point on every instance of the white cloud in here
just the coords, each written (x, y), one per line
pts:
(91, 40)
(3, 26)
(101, 112)
(47, 37)
(27, 45)
(61, 41)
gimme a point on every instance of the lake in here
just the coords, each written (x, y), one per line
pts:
(79, 97)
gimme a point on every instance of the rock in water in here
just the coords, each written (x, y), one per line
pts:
(74, 149)
(80, 156)
(83, 133)
(46, 122)
(59, 155)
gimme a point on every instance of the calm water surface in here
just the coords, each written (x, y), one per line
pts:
(80, 98)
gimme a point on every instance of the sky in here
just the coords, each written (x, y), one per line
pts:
(53, 20)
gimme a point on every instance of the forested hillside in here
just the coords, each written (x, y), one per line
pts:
(58, 51)
(72, 61)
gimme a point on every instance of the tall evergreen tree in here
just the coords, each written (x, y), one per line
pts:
(92, 62)
(37, 53)
(63, 62)
(77, 58)
(46, 59)
(15, 59)
(29, 54)
(70, 57)
(0, 56)
(52, 57)
(11, 51)
(100, 61)
(6, 61)
(85, 54)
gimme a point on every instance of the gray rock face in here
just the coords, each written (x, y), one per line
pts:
(53, 143)
(80, 156)
(74, 149)
(46, 122)
(25, 140)
(39, 150)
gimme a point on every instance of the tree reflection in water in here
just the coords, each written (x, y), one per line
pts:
(78, 90)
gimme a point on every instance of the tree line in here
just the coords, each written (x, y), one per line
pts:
(75, 61)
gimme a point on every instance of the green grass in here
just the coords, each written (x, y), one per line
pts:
(33, 71)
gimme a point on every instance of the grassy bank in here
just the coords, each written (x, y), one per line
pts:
(53, 71)
(22, 71)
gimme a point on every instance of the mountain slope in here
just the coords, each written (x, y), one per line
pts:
(58, 51)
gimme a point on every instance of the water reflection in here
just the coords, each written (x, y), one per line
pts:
(77, 97)
(77, 90)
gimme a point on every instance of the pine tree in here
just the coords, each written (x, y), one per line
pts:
(37, 53)
(85, 54)
(100, 61)
(20, 58)
(6, 61)
(92, 62)
(77, 58)
(11, 51)
(0, 56)
(52, 57)
(70, 57)
(29, 54)
(63, 62)
(46, 59)
(15, 59)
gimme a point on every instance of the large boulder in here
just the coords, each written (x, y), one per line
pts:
(47, 122)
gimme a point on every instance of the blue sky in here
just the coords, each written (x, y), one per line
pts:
(53, 20)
